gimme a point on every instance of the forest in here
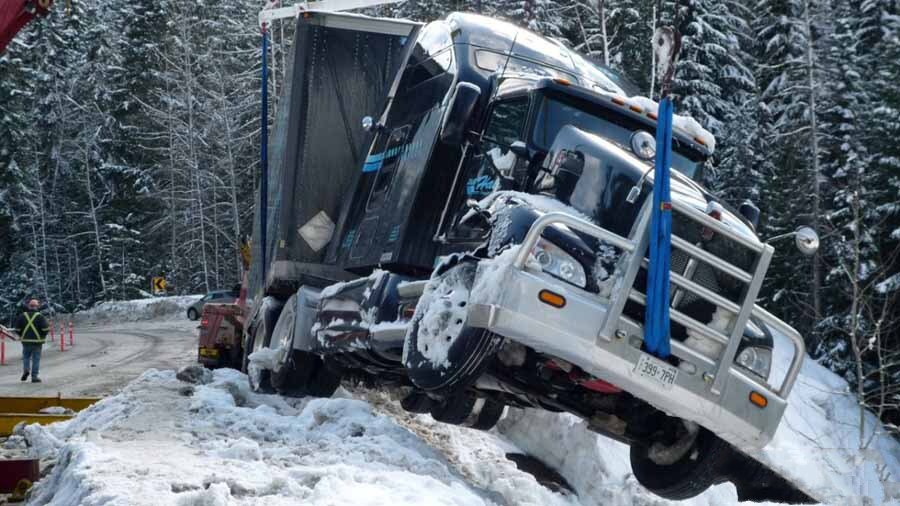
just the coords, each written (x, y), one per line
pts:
(130, 134)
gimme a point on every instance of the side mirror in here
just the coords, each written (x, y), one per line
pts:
(807, 240)
(462, 103)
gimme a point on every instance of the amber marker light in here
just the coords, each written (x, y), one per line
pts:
(554, 299)
(758, 399)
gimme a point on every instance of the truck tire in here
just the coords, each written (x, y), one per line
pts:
(441, 315)
(305, 374)
(260, 338)
(701, 467)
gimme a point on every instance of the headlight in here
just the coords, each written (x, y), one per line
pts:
(558, 263)
(756, 360)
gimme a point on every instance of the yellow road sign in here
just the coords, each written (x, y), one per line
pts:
(159, 285)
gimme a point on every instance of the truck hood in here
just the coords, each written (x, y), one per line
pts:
(609, 173)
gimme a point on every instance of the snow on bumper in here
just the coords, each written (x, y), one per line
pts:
(505, 301)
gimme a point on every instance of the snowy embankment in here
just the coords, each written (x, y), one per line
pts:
(164, 441)
(152, 308)
(816, 446)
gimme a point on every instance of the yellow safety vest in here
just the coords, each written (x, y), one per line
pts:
(29, 325)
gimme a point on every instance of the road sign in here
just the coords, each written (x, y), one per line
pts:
(159, 286)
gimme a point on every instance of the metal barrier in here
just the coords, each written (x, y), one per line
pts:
(633, 260)
(15, 410)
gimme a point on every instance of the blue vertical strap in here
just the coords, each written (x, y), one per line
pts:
(263, 155)
(656, 319)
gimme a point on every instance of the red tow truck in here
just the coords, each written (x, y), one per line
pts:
(221, 331)
(15, 14)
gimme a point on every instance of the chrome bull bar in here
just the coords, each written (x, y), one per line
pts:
(633, 259)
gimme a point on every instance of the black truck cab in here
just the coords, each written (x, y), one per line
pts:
(414, 188)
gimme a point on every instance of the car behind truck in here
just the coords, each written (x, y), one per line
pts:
(460, 211)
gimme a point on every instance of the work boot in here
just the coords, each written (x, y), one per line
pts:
(24, 375)
(35, 379)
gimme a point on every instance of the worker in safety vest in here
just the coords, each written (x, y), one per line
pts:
(32, 328)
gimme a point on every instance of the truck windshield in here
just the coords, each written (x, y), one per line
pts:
(554, 114)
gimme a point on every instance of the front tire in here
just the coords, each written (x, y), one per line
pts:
(702, 466)
(192, 314)
(441, 353)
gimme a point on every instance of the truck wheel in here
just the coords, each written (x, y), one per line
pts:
(441, 353)
(305, 374)
(260, 379)
(700, 468)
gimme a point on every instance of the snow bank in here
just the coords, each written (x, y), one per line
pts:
(161, 441)
(152, 308)
(816, 446)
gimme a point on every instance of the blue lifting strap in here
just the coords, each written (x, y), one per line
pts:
(656, 318)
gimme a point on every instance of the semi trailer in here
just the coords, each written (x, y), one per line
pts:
(460, 210)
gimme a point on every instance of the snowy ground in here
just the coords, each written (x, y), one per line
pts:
(165, 441)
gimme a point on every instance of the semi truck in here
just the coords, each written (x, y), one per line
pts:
(460, 210)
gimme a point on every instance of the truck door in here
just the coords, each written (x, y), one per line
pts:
(477, 178)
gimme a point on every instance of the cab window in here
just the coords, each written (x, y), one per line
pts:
(505, 126)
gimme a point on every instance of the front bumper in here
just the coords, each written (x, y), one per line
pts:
(591, 332)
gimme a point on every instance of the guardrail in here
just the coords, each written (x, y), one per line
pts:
(634, 249)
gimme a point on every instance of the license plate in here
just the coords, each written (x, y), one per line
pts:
(650, 367)
(209, 352)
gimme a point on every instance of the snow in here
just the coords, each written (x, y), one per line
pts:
(816, 445)
(161, 441)
(822, 422)
(686, 124)
(151, 308)
(498, 201)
